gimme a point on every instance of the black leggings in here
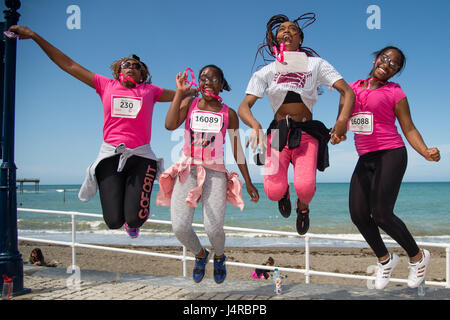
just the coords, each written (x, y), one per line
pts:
(374, 189)
(125, 196)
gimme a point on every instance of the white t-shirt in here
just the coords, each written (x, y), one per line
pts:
(276, 84)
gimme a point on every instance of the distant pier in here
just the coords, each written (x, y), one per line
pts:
(22, 181)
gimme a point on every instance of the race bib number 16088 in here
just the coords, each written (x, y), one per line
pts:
(361, 123)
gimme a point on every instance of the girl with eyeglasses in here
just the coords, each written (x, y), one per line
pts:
(378, 174)
(200, 174)
(293, 136)
(126, 166)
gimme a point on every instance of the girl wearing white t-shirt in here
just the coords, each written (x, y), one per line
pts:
(293, 136)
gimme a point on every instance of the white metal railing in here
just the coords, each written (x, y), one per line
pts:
(307, 271)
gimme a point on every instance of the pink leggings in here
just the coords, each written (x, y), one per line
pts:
(304, 159)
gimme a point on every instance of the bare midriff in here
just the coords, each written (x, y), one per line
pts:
(297, 111)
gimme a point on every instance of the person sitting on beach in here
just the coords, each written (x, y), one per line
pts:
(293, 136)
(200, 173)
(37, 259)
(382, 162)
(263, 273)
(126, 166)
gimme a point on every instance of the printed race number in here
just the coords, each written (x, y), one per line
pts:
(204, 121)
(361, 123)
(125, 107)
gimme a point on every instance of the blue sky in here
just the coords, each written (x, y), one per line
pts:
(59, 119)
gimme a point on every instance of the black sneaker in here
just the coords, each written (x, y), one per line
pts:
(302, 223)
(284, 205)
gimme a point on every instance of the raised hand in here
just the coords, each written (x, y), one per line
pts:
(22, 31)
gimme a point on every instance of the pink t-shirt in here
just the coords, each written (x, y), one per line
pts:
(127, 112)
(204, 133)
(373, 118)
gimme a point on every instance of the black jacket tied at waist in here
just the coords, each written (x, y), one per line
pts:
(290, 132)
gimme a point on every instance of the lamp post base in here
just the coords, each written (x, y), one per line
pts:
(12, 265)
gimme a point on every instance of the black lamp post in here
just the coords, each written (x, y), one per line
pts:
(11, 263)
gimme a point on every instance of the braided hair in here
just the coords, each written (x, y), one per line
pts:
(116, 68)
(266, 48)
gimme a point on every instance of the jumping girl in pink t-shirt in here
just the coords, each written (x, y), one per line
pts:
(382, 163)
(126, 166)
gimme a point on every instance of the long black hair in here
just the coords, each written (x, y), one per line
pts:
(266, 48)
(39, 255)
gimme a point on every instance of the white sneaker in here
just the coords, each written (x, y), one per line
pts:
(384, 272)
(417, 270)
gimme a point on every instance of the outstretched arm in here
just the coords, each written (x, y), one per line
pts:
(346, 104)
(257, 136)
(167, 95)
(411, 133)
(58, 57)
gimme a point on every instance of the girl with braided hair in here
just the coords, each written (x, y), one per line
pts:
(267, 47)
(126, 165)
(293, 136)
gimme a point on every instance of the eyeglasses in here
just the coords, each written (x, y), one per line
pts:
(213, 80)
(204, 79)
(393, 65)
(128, 65)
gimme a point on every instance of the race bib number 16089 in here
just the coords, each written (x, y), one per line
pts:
(204, 121)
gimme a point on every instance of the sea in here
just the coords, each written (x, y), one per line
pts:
(423, 206)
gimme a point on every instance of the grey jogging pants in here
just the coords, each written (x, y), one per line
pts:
(213, 202)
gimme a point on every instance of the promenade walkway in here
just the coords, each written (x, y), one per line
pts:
(57, 284)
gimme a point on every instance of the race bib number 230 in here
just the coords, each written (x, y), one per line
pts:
(125, 107)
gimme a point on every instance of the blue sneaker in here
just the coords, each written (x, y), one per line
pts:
(220, 272)
(132, 232)
(200, 267)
